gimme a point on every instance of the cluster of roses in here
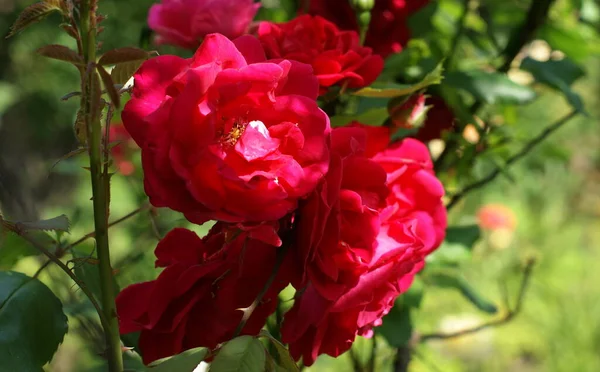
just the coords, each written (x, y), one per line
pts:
(234, 134)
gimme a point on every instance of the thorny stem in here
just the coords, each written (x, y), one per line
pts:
(281, 252)
(61, 251)
(524, 151)
(100, 186)
(64, 267)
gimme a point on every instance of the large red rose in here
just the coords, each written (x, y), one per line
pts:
(186, 22)
(227, 135)
(336, 56)
(195, 300)
(348, 288)
(337, 225)
(316, 325)
(387, 32)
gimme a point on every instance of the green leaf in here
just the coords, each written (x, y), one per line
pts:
(375, 117)
(466, 235)
(13, 248)
(122, 72)
(32, 323)
(397, 325)
(242, 354)
(558, 75)
(414, 295)
(569, 40)
(450, 279)
(388, 90)
(184, 362)
(490, 87)
(60, 223)
(449, 254)
(284, 357)
(34, 13)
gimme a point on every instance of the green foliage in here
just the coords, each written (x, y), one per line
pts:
(559, 75)
(390, 90)
(453, 279)
(186, 361)
(13, 248)
(286, 361)
(242, 354)
(490, 87)
(32, 323)
(397, 327)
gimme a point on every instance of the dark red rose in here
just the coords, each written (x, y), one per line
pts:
(186, 22)
(316, 325)
(387, 32)
(338, 223)
(195, 300)
(228, 135)
(348, 288)
(336, 56)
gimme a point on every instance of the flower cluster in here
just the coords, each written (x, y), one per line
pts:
(235, 134)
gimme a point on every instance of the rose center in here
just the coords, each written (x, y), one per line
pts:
(232, 131)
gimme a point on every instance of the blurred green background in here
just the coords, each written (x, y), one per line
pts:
(554, 192)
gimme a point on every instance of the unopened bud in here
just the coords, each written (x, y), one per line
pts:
(362, 5)
(364, 19)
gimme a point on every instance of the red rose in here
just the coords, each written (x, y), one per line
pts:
(348, 288)
(414, 188)
(122, 149)
(387, 32)
(338, 223)
(227, 135)
(186, 22)
(336, 56)
(195, 300)
(316, 325)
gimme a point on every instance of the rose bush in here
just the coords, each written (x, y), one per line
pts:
(186, 22)
(388, 31)
(195, 300)
(336, 56)
(228, 135)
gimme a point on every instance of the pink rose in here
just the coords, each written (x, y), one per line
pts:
(195, 300)
(186, 22)
(336, 56)
(228, 135)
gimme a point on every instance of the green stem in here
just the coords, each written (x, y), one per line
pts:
(100, 180)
